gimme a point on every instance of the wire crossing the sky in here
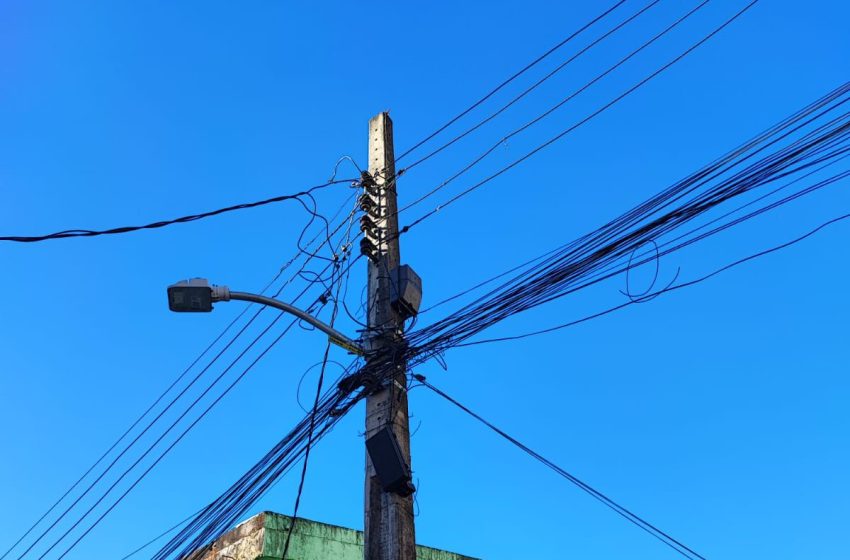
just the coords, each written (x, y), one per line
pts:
(531, 88)
(525, 69)
(317, 279)
(667, 289)
(640, 522)
(182, 220)
(605, 107)
(338, 271)
(817, 135)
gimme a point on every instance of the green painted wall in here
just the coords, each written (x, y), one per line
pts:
(317, 541)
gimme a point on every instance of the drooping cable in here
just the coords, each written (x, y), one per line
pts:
(155, 225)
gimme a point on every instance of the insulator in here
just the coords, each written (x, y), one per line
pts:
(369, 184)
(367, 225)
(368, 249)
(366, 202)
(368, 205)
(367, 246)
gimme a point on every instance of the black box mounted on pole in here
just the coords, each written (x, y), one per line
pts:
(390, 467)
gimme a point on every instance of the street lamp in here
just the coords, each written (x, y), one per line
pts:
(196, 295)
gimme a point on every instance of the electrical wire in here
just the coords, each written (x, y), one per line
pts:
(155, 225)
(665, 290)
(319, 386)
(530, 89)
(164, 533)
(122, 436)
(227, 390)
(172, 529)
(809, 143)
(161, 456)
(149, 426)
(99, 478)
(630, 516)
(565, 132)
(642, 256)
(512, 78)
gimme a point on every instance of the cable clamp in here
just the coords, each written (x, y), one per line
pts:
(220, 293)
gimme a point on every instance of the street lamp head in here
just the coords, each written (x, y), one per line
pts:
(194, 295)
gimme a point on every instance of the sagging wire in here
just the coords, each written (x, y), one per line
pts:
(164, 223)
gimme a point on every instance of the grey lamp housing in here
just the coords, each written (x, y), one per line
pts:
(190, 296)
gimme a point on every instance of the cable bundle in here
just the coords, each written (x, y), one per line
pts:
(803, 145)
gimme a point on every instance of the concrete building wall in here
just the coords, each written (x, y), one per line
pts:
(263, 537)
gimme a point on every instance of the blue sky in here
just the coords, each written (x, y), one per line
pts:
(717, 412)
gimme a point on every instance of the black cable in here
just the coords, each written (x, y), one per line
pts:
(606, 251)
(147, 428)
(232, 504)
(528, 90)
(303, 377)
(209, 525)
(664, 290)
(227, 390)
(633, 518)
(313, 415)
(150, 408)
(122, 436)
(657, 247)
(164, 533)
(512, 78)
(206, 511)
(167, 531)
(575, 126)
(190, 218)
(164, 453)
(227, 346)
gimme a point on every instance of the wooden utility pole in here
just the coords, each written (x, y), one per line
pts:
(389, 531)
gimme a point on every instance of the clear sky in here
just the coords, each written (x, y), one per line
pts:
(719, 413)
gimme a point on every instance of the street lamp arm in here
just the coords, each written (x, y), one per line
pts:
(334, 334)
